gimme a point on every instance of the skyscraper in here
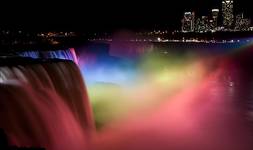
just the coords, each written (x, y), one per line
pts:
(204, 24)
(241, 23)
(188, 22)
(215, 14)
(227, 13)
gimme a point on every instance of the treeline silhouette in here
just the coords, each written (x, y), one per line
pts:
(4, 144)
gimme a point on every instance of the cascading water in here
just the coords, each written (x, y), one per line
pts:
(44, 103)
(68, 54)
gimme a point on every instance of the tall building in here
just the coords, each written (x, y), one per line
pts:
(198, 25)
(193, 22)
(205, 23)
(202, 24)
(215, 15)
(188, 22)
(227, 13)
(211, 26)
(241, 23)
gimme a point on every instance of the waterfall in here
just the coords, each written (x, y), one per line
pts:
(44, 103)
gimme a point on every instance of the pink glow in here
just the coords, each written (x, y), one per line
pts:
(73, 52)
(200, 118)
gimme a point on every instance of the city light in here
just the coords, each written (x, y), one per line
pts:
(203, 24)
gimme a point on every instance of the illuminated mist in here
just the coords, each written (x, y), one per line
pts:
(144, 96)
(171, 98)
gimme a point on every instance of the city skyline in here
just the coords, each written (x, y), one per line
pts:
(96, 16)
(218, 19)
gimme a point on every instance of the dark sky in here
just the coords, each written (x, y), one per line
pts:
(106, 15)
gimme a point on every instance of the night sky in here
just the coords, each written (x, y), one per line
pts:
(106, 15)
